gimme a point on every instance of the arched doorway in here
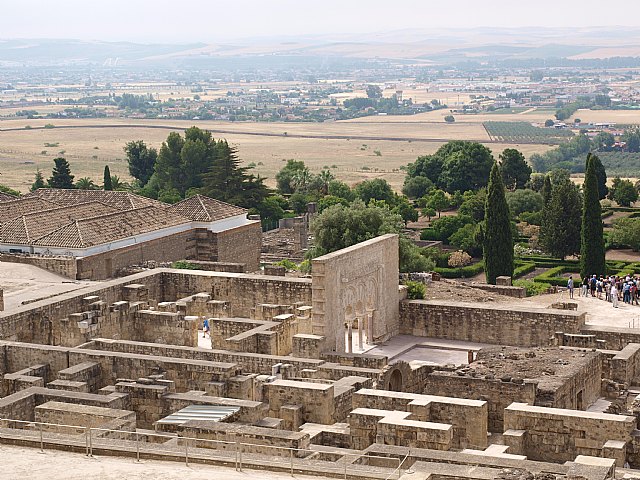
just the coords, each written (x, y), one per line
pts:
(395, 381)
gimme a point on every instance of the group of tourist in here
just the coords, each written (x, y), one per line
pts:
(614, 288)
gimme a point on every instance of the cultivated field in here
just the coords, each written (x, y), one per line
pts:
(346, 147)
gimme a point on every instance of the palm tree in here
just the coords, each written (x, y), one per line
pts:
(300, 179)
(85, 183)
(326, 177)
(118, 184)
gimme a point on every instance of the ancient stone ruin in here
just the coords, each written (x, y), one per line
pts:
(336, 375)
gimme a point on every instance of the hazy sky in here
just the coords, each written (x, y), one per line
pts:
(215, 20)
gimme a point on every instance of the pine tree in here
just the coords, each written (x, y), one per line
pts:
(592, 238)
(61, 174)
(107, 184)
(38, 181)
(225, 178)
(498, 240)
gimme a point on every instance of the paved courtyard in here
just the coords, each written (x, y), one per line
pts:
(26, 283)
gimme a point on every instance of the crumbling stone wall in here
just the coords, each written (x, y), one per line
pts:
(559, 435)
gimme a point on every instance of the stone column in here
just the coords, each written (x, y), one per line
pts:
(370, 326)
(360, 334)
(349, 337)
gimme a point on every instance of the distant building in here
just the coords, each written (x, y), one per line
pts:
(103, 232)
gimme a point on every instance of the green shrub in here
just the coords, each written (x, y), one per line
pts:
(532, 288)
(305, 266)
(288, 264)
(464, 272)
(415, 290)
(184, 265)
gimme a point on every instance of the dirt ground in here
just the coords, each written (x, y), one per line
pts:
(19, 463)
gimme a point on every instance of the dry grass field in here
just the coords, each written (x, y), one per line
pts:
(345, 147)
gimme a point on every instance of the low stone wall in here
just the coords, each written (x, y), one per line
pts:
(498, 394)
(612, 338)
(227, 267)
(625, 365)
(558, 435)
(255, 439)
(64, 266)
(527, 327)
(468, 417)
(507, 290)
(83, 416)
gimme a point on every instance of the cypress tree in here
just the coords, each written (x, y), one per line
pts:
(108, 184)
(546, 190)
(592, 239)
(560, 230)
(601, 175)
(497, 241)
(61, 174)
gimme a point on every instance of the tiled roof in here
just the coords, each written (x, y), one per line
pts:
(29, 227)
(120, 200)
(204, 209)
(6, 197)
(22, 206)
(89, 232)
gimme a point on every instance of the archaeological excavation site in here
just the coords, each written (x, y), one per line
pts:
(336, 374)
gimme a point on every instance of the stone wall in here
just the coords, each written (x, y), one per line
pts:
(248, 362)
(498, 394)
(468, 417)
(227, 267)
(576, 391)
(64, 413)
(483, 324)
(612, 338)
(243, 292)
(624, 366)
(165, 249)
(558, 435)
(64, 266)
(351, 283)
(242, 243)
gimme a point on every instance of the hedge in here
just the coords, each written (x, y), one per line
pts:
(553, 276)
(462, 272)
(523, 268)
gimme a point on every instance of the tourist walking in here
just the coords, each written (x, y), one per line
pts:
(205, 328)
(570, 286)
(614, 295)
(585, 286)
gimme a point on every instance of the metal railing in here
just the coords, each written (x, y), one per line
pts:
(201, 450)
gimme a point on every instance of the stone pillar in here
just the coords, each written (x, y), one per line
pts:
(349, 336)
(370, 326)
(1, 300)
(360, 334)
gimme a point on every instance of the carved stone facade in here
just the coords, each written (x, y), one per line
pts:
(356, 290)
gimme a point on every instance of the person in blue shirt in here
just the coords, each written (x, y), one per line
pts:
(205, 328)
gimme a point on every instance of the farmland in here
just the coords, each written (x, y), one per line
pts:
(524, 132)
(345, 147)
